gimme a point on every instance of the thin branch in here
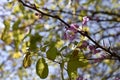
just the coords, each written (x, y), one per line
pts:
(107, 50)
(81, 32)
(53, 16)
(91, 11)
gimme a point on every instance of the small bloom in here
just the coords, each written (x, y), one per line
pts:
(80, 78)
(73, 27)
(70, 32)
(102, 57)
(84, 45)
(85, 20)
(65, 36)
(96, 51)
(97, 60)
(93, 49)
(117, 78)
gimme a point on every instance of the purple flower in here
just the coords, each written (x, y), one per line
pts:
(84, 45)
(100, 58)
(96, 51)
(70, 32)
(80, 78)
(117, 78)
(103, 56)
(93, 49)
(85, 20)
(73, 27)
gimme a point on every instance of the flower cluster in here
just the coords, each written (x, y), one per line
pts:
(92, 48)
(81, 78)
(102, 57)
(85, 20)
(70, 32)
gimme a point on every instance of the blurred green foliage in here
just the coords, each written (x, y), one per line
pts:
(40, 39)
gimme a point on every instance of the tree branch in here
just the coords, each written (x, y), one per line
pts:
(81, 32)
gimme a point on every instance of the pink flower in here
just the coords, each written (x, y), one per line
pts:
(70, 32)
(85, 20)
(100, 59)
(93, 49)
(103, 56)
(81, 78)
(73, 28)
(97, 60)
(96, 51)
(84, 44)
(117, 78)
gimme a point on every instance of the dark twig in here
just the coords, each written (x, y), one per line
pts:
(82, 33)
(53, 16)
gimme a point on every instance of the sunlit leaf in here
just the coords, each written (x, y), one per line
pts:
(16, 9)
(76, 61)
(21, 8)
(85, 28)
(59, 44)
(27, 60)
(72, 67)
(6, 35)
(38, 26)
(16, 25)
(42, 68)
(16, 55)
(6, 29)
(52, 53)
(34, 39)
(43, 49)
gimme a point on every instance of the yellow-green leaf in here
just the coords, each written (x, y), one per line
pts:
(27, 60)
(6, 35)
(42, 68)
(16, 25)
(76, 61)
(6, 29)
(72, 67)
(52, 53)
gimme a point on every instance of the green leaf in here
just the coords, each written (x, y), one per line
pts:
(38, 26)
(22, 8)
(52, 53)
(6, 36)
(27, 60)
(72, 67)
(7, 24)
(42, 68)
(52, 44)
(43, 49)
(16, 25)
(16, 34)
(33, 41)
(6, 29)
(76, 61)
